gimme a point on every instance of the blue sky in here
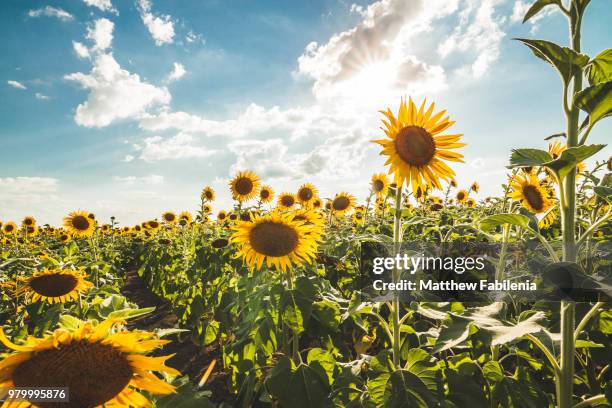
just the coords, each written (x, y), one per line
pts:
(129, 108)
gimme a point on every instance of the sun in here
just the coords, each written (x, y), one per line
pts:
(415, 147)
(115, 361)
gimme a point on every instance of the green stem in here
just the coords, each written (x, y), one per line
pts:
(590, 401)
(590, 314)
(397, 239)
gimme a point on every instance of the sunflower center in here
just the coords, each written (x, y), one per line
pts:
(460, 196)
(273, 238)
(53, 285)
(533, 197)
(415, 145)
(264, 194)
(220, 243)
(378, 185)
(244, 186)
(8, 228)
(93, 372)
(80, 223)
(305, 194)
(208, 195)
(287, 201)
(341, 203)
(169, 217)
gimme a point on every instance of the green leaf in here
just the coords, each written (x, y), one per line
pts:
(464, 391)
(302, 387)
(452, 334)
(536, 7)
(130, 313)
(529, 158)
(70, 322)
(603, 192)
(599, 70)
(567, 61)
(570, 157)
(325, 359)
(493, 221)
(184, 397)
(493, 371)
(596, 100)
(406, 390)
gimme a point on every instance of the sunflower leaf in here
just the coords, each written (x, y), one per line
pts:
(567, 61)
(493, 221)
(536, 7)
(529, 158)
(570, 157)
(596, 100)
(603, 192)
(599, 69)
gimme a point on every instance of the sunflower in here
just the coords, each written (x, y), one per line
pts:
(342, 203)
(309, 216)
(286, 200)
(105, 228)
(317, 203)
(169, 217)
(277, 239)
(380, 184)
(153, 225)
(306, 194)
(461, 196)
(453, 183)
(245, 185)
(31, 231)
(186, 216)
(206, 209)
(219, 243)
(416, 148)
(470, 202)
(266, 194)
(55, 285)
(208, 194)
(64, 237)
(221, 215)
(531, 193)
(29, 221)
(475, 187)
(556, 148)
(79, 224)
(9, 228)
(98, 365)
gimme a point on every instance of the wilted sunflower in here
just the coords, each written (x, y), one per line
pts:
(9, 228)
(416, 148)
(245, 185)
(169, 217)
(461, 196)
(380, 184)
(208, 194)
(55, 285)
(98, 365)
(266, 194)
(527, 189)
(342, 203)
(306, 194)
(29, 221)
(186, 216)
(286, 200)
(79, 224)
(276, 239)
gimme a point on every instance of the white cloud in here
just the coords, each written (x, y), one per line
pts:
(161, 27)
(104, 5)
(18, 185)
(101, 33)
(520, 9)
(115, 94)
(80, 49)
(16, 84)
(178, 71)
(49, 11)
(41, 96)
(180, 146)
(192, 37)
(128, 158)
(132, 180)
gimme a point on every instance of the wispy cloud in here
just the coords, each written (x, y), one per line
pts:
(132, 180)
(104, 5)
(16, 84)
(49, 11)
(161, 26)
(41, 97)
(178, 71)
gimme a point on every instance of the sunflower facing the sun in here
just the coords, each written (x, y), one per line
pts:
(415, 147)
(276, 239)
(286, 201)
(169, 217)
(532, 194)
(98, 365)
(245, 185)
(342, 203)
(306, 194)
(55, 286)
(380, 184)
(79, 224)
(208, 194)
(266, 194)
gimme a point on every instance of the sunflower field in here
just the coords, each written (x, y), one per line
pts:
(260, 304)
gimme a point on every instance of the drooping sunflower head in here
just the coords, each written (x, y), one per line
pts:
(55, 285)
(266, 194)
(276, 239)
(527, 189)
(99, 365)
(306, 193)
(169, 217)
(79, 224)
(9, 228)
(475, 187)
(186, 216)
(416, 147)
(453, 183)
(461, 196)
(342, 203)
(29, 221)
(208, 194)
(380, 184)
(245, 185)
(286, 200)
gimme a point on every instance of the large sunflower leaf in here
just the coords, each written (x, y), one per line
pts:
(570, 157)
(596, 100)
(567, 61)
(493, 221)
(536, 7)
(399, 389)
(599, 69)
(529, 158)
(603, 192)
(300, 387)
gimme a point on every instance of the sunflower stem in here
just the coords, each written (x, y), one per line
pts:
(397, 240)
